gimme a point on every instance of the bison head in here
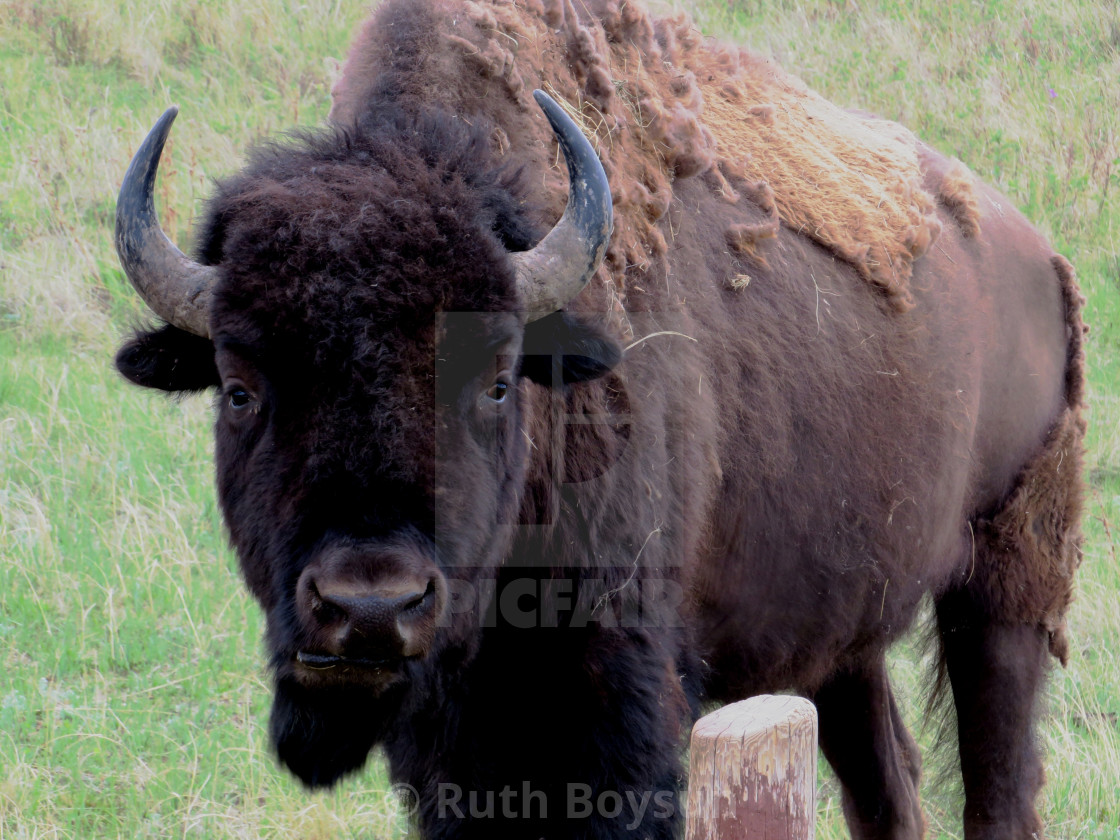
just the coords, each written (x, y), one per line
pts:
(367, 305)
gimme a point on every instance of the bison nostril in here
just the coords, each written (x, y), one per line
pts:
(314, 599)
(421, 597)
(417, 622)
(325, 611)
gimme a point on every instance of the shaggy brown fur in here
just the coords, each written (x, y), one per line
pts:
(1041, 520)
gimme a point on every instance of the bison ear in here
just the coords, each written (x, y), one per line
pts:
(322, 734)
(169, 359)
(578, 349)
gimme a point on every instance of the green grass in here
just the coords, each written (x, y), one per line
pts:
(133, 698)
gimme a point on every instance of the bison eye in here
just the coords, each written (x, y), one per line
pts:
(498, 391)
(240, 398)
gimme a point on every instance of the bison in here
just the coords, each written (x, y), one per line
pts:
(519, 495)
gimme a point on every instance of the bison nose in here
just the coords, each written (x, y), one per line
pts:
(366, 621)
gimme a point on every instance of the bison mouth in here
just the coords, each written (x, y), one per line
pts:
(326, 661)
(313, 669)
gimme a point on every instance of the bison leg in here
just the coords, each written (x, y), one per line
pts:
(996, 670)
(875, 757)
(1001, 619)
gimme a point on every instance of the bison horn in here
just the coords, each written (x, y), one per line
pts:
(555, 271)
(175, 287)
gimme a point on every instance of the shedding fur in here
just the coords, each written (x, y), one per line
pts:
(747, 239)
(1029, 553)
(958, 193)
(1076, 330)
(852, 184)
(663, 104)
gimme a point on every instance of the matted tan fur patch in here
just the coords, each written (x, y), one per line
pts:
(662, 103)
(851, 183)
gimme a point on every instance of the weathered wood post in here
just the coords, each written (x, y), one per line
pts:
(753, 771)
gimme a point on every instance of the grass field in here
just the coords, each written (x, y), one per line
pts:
(133, 698)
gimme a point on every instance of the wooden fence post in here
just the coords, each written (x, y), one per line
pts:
(753, 771)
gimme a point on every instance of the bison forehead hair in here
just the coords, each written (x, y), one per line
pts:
(337, 252)
(345, 238)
